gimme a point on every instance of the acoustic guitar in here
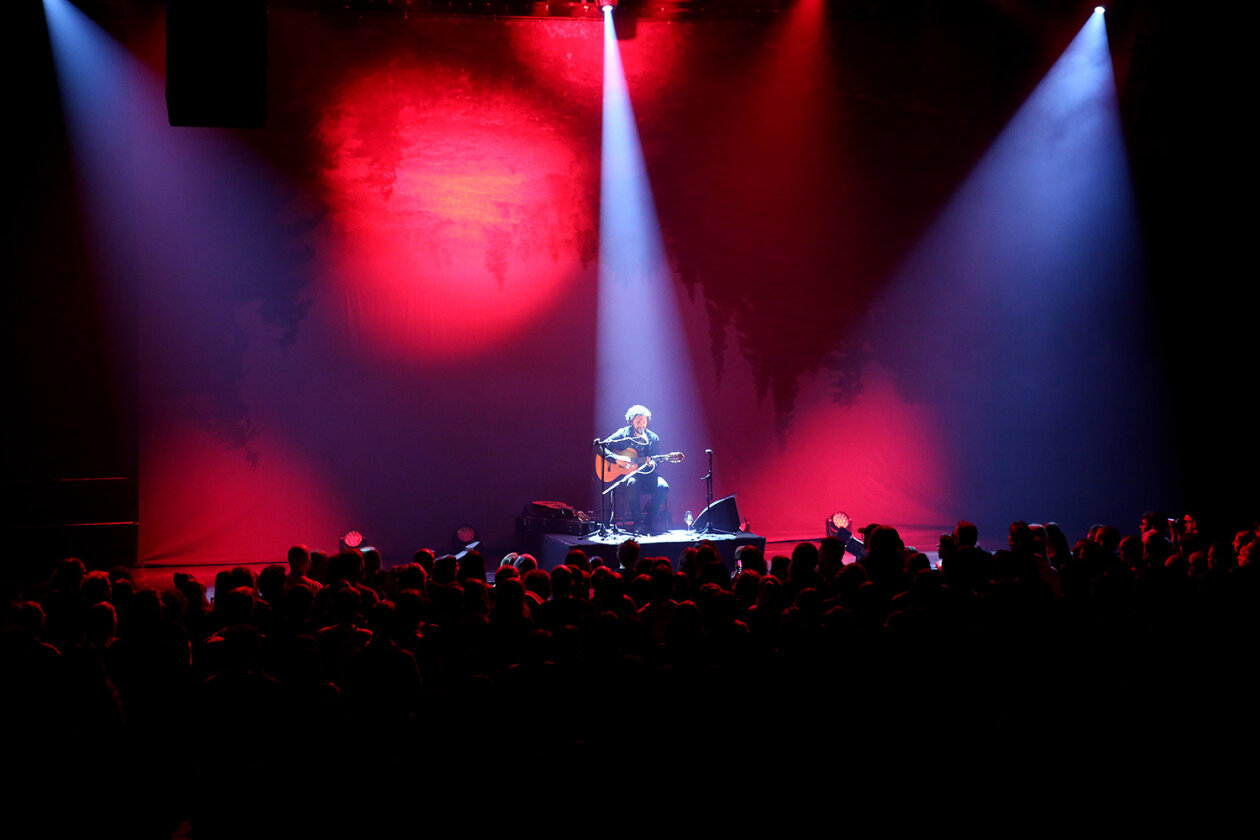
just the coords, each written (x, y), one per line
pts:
(610, 469)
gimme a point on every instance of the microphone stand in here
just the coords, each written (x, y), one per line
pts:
(607, 502)
(708, 496)
(605, 514)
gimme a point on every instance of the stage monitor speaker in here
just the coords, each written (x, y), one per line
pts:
(722, 515)
(216, 63)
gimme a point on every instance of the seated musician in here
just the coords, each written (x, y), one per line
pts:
(636, 442)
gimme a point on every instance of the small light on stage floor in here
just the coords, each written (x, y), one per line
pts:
(464, 540)
(351, 539)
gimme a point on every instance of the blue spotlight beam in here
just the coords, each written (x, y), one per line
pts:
(1030, 283)
(182, 228)
(642, 352)
(630, 241)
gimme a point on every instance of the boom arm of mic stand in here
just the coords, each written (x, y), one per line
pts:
(619, 482)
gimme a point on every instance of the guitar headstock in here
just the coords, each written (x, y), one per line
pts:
(671, 457)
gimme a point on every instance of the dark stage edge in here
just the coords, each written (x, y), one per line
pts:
(550, 549)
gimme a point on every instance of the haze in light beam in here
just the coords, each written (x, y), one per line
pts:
(643, 356)
(1022, 314)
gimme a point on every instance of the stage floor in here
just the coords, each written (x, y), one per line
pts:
(161, 576)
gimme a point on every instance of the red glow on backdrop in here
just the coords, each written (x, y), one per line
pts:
(566, 59)
(879, 459)
(207, 501)
(465, 210)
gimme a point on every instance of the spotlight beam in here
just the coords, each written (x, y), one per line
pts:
(1041, 246)
(642, 353)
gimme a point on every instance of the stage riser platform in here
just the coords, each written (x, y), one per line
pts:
(551, 549)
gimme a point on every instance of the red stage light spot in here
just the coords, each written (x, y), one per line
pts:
(204, 502)
(463, 209)
(879, 460)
